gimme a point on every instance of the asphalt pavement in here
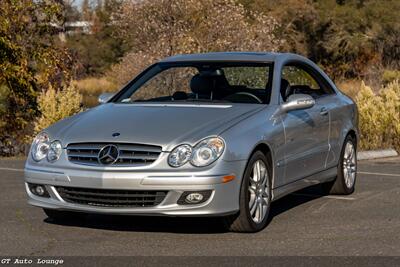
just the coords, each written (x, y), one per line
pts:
(304, 223)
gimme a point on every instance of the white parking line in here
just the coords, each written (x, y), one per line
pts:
(342, 198)
(11, 169)
(383, 174)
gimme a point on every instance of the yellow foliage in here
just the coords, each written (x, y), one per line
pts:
(390, 76)
(55, 105)
(379, 116)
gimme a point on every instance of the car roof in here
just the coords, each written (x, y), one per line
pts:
(232, 56)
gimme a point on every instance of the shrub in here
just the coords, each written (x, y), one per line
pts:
(379, 116)
(55, 105)
(390, 76)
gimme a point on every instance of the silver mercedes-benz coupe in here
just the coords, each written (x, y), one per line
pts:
(215, 134)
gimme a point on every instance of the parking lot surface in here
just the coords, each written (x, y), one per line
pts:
(304, 223)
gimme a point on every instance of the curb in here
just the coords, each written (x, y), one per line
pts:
(376, 154)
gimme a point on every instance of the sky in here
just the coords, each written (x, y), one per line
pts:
(77, 2)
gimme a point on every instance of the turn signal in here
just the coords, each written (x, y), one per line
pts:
(228, 178)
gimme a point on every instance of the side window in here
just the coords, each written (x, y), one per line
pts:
(301, 82)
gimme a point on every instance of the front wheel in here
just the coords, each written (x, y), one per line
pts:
(255, 197)
(345, 181)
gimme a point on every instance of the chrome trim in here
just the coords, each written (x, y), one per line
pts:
(108, 155)
(129, 155)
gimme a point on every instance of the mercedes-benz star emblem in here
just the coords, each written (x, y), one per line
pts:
(108, 154)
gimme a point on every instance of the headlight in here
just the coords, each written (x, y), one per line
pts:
(207, 151)
(40, 146)
(54, 151)
(180, 155)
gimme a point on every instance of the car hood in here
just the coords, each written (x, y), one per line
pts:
(165, 125)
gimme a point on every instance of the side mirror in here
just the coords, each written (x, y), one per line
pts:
(104, 97)
(298, 101)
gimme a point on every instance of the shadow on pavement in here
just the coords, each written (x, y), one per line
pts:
(189, 225)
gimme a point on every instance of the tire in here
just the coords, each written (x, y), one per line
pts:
(61, 215)
(345, 181)
(256, 190)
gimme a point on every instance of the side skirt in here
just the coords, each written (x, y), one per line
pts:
(317, 178)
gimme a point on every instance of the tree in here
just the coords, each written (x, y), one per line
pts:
(71, 12)
(30, 60)
(97, 51)
(86, 10)
(156, 29)
(349, 38)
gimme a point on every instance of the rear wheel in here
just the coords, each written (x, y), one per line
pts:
(61, 215)
(255, 197)
(345, 181)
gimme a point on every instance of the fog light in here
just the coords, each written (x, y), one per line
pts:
(38, 190)
(194, 198)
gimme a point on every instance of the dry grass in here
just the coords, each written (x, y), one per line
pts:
(91, 88)
(349, 87)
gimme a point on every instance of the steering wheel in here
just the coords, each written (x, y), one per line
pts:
(250, 97)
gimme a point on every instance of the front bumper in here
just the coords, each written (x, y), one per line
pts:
(224, 198)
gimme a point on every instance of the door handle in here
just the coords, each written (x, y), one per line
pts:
(323, 111)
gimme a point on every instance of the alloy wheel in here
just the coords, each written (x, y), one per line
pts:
(349, 164)
(259, 192)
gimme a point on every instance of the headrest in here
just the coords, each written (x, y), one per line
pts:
(179, 95)
(285, 89)
(202, 84)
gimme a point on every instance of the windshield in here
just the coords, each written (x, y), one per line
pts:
(200, 82)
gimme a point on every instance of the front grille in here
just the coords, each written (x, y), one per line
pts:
(111, 197)
(130, 154)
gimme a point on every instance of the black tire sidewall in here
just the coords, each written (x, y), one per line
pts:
(340, 171)
(244, 195)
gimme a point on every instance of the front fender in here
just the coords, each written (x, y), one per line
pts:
(260, 129)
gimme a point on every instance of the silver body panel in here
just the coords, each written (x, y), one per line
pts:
(305, 146)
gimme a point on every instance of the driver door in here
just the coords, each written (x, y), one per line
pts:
(306, 131)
